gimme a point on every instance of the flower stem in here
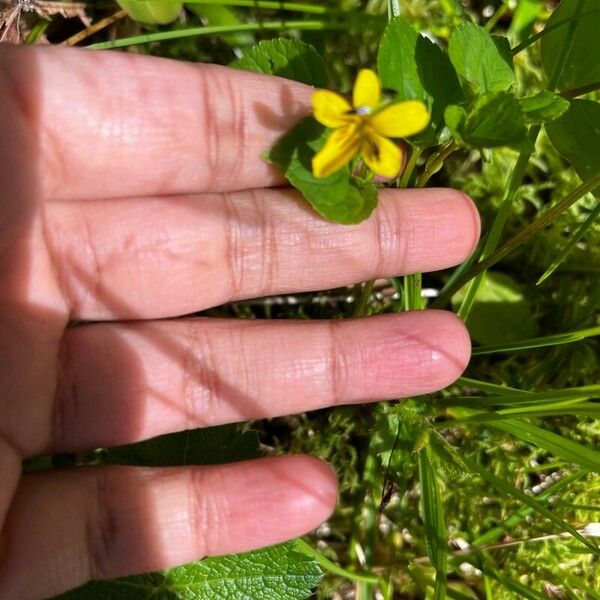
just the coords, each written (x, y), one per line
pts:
(360, 310)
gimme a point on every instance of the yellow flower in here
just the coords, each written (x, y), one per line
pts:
(365, 127)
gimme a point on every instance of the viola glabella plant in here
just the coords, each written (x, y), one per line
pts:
(365, 127)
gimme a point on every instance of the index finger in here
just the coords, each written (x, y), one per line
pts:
(114, 124)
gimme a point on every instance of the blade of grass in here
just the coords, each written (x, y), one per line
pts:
(575, 237)
(587, 409)
(557, 339)
(331, 567)
(518, 588)
(486, 386)
(474, 275)
(510, 398)
(432, 513)
(555, 444)
(494, 534)
(536, 505)
(161, 36)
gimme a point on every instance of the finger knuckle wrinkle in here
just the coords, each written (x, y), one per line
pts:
(208, 508)
(102, 528)
(225, 128)
(234, 248)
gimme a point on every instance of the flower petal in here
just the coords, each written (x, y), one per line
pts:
(367, 89)
(382, 156)
(401, 119)
(338, 151)
(331, 109)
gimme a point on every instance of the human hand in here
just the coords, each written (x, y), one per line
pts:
(132, 191)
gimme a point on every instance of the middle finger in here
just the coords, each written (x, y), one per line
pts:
(161, 257)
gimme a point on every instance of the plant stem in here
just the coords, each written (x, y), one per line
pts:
(534, 38)
(434, 164)
(362, 304)
(475, 272)
(278, 25)
(95, 28)
(314, 9)
(493, 237)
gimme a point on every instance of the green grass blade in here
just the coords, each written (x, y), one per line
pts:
(432, 512)
(557, 339)
(577, 235)
(486, 386)
(510, 398)
(494, 534)
(587, 409)
(161, 36)
(521, 590)
(555, 444)
(536, 505)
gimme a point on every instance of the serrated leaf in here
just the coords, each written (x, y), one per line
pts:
(155, 12)
(545, 106)
(287, 58)
(417, 68)
(576, 135)
(341, 197)
(267, 574)
(212, 445)
(396, 60)
(493, 120)
(481, 60)
(570, 51)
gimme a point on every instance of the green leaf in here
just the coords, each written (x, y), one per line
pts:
(576, 135)
(501, 312)
(340, 197)
(287, 58)
(219, 15)
(570, 51)
(484, 62)
(267, 574)
(212, 445)
(493, 120)
(524, 17)
(536, 505)
(417, 68)
(153, 12)
(432, 513)
(543, 107)
(396, 61)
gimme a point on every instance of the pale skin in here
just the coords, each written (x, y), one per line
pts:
(132, 192)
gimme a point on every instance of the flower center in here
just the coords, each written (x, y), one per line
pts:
(363, 111)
